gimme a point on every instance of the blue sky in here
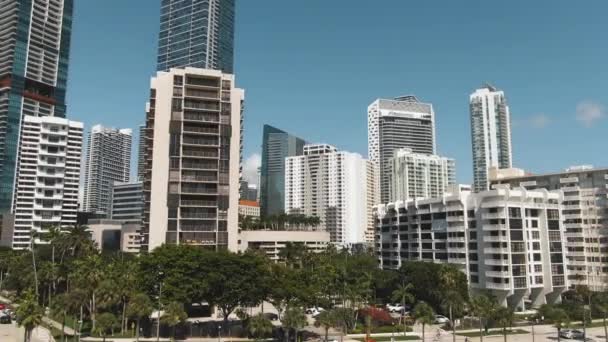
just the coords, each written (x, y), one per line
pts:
(312, 67)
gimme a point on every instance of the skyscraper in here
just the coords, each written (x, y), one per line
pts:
(141, 153)
(276, 146)
(196, 33)
(416, 175)
(34, 53)
(490, 134)
(108, 161)
(191, 185)
(333, 186)
(46, 192)
(394, 124)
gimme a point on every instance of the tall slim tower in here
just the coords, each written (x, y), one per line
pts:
(108, 161)
(196, 33)
(490, 134)
(46, 192)
(141, 154)
(394, 124)
(34, 50)
(276, 146)
(191, 185)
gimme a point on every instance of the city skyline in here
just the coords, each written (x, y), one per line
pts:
(551, 115)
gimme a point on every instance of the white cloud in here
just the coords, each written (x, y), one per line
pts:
(250, 168)
(539, 120)
(588, 113)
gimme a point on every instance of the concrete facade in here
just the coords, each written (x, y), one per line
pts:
(509, 242)
(272, 242)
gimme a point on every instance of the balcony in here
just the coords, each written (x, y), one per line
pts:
(194, 178)
(488, 238)
(491, 216)
(497, 286)
(198, 216)
(200, 142)
(188, 189)
(455, 218)
(201, 130)
(494, 250)
(496, 262)
(493, 227)
(201, 154)
(498, 274)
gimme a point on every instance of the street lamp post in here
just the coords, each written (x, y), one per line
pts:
(219, 333)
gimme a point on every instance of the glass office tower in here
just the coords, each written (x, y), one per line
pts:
(34, 50)
(276, 146)
(196, 33)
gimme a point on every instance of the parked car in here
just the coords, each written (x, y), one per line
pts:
(439, 319)
(395, 308)
(5, 319)
(271, 316)
(571, 333)
(314, 311)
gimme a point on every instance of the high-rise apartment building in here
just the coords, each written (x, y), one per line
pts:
(394, 124)
(507, 241)
(34, 50)
(127, 202)
(331, 185)
(48, 173)
(585, 219)
(416, 175)
(276, 146)
(141, 154)
(196, 33)
(490, 134)
(191, 184)
(108, 161)
(248, 192)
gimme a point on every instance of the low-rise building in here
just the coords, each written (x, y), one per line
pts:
(127, 202)
(272, 242)
(114, 235)
(249, 208)
(507, 241)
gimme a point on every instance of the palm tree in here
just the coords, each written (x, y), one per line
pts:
(451, 297)
(108, 294)
(292, 254)
(504, 316)
(29, 314)
(139, 307)
(105, 322)
(482, 306)
(403, 294)
(560, 319)
(600, 302)
(52, 236)
(60, 308)
(174, 315)
(88, 274)
(327, 320)
(293, 318)
(259, 326)
(423, 314)
(77, 241)
(33, 236)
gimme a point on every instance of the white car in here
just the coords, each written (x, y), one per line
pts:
(439, 319)
(395, 308)
(314, 311)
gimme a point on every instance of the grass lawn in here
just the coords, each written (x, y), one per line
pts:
(388, 338)
(494, 332)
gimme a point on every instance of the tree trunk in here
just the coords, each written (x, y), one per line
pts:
(504, 333)
(35, 271)
(286, 334)
(326, 333)
(480, 330)
(173, 333)
(123, 326)
(453, 324)
(137, 332)
(80, 323)
(93, 311)
(605, 329)
(63, 329)
(25, 337)
(423, 332)
(558, 334)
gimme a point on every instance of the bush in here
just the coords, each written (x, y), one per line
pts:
(379, 317)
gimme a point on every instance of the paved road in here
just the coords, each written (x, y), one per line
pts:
(11, 333)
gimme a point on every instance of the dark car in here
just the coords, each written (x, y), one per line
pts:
(6, 319)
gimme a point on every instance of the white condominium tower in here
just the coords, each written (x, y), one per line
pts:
(416, 175)
(334, 186)
(191, 182)
(507, 241)
(48, 172)
(108, 161)
(490, 134)
(394, 124)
